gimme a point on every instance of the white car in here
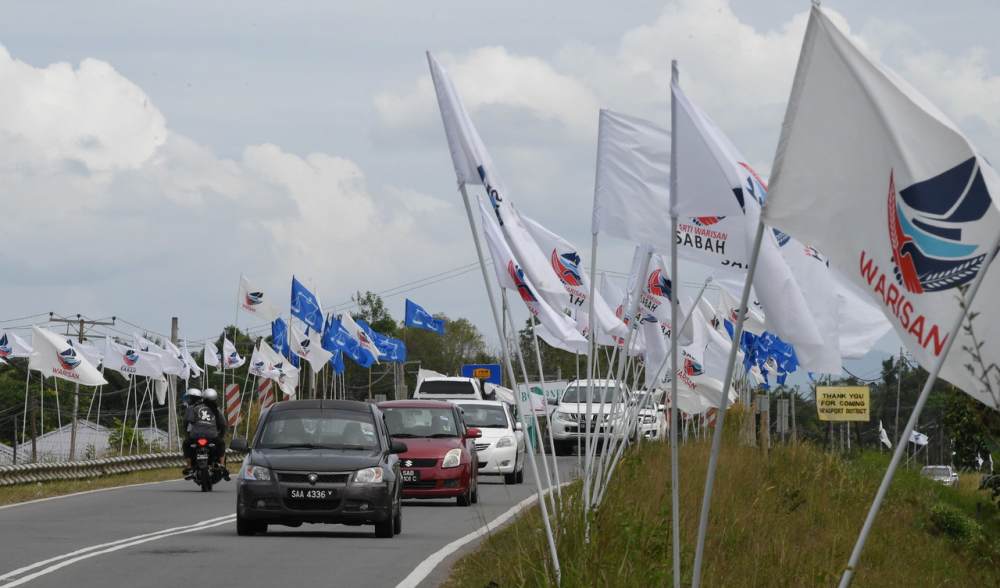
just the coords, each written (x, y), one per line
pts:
(652, 423)
(500, 449)
(570, 414)
(942, 474)
(448, 388)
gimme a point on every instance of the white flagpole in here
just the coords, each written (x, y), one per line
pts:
(548, 421)
(713, 459)
(128, 396)
(531, 408)
(674, 335)
(591, 348)
(852, 564)
(510, 374)
(24, 419)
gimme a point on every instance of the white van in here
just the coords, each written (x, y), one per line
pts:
(448, 388)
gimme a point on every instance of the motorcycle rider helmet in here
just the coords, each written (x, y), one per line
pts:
(192, 394)
(210, 395)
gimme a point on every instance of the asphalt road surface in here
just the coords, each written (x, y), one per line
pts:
(171, 534)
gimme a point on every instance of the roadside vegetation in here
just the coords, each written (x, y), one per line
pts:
(26, 492)
(789, 519)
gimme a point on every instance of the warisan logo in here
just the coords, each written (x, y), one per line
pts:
(517, 274)
(130, 357)
(659, 284)
(567, 267)
(68, 359)
(254, 298)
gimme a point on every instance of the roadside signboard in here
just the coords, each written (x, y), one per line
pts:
(487, 372)
(843, 403)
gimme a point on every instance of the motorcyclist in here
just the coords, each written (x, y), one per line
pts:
(192, 399)
(204, 420)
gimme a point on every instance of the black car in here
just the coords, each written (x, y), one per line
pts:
(320, 461)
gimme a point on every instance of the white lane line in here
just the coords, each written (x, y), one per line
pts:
(420, 573)
(81, 493)
(100, 549)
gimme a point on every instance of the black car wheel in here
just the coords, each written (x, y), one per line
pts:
(475, 492)
(384, 529)
(245, 528)
(465, 499)
(520, 476)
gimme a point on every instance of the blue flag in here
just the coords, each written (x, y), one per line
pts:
(305, 306)
(279, 339)
(417, 317)
(337, 361)
(393, 350)
(337, 338)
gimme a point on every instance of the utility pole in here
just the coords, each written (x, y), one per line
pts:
(172, 395)
(81, 324)
(795, 431)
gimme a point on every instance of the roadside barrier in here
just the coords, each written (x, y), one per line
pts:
(31, 473)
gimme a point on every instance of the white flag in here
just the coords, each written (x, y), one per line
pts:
(611, 292)
(860, 149)
(192, 366)
(170, 362)
(655, 291)
(13, 346)
(883, 437)
(260, 365)
(359, 335)
(130, 361)
(230, 357)
(90, 351)
(211, 355)
(282, 371)
(565, 261)
(575, 347)
(253, 301)
(510, 275)
(918, 438)
(473, 165)
(54, 355)
(309, 346)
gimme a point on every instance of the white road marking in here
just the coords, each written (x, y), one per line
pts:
(66, 559)
(81, 493)
(420, 573)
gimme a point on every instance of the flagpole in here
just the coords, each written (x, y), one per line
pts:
(897, 455)
(713, 459)
(548, 421)
(591, 351)
(674, 334)
(510, 374)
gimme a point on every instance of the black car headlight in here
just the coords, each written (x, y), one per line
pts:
(368, 476)
(255, 472)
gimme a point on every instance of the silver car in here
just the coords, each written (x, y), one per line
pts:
(940, 473)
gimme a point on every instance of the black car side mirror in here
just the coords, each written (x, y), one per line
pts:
(238, 444)
(398, 447)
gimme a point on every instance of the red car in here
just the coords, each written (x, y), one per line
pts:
(440, 461)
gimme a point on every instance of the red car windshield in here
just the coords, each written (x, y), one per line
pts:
(421, 422)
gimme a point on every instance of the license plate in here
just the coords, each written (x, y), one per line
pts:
(311, 493)
(411, 476)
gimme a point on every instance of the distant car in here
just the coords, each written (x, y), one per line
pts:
(448, 388)
(569, 419)
(652, 422)
(500, 449)
(440, 461)
(320, 461)
(942, 474)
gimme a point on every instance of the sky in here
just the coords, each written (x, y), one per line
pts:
(151, 152)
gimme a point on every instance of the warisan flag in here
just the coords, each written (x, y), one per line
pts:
(211, 354)
(253, 301)
(129, 360)
(54, 356)
(13, 346)
(872, 174)
(230, 357)
(309, 346)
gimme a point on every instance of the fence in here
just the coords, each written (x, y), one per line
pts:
(93, 468)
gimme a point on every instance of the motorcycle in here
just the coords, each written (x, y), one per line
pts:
(205, 473)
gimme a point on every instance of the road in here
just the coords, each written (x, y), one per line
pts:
(169, 533)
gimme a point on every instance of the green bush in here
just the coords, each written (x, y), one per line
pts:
(954, 524)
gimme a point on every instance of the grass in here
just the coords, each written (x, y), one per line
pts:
(788, 520)
(25, 492)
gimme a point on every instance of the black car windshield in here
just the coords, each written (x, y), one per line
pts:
(485, 416)
(421, 422)
(447, 388)
(319, 429)
(578, 394)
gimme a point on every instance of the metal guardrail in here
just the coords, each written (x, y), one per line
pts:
(31, 473)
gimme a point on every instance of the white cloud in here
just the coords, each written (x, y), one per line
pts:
(492, 76)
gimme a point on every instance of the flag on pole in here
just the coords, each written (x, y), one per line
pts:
(511, 275)
(860, 148)
(265, 391)
(566, 263)
(393, 350)
(13, 346)
(280, 369)
(130, 361)
(417, 317)
(918, 438)
(359, 335)
(883, 437)
(170, 362)
(54, 356)
(337, 338)
(252, 301)
(193, 369)
(231, 359)
(473, 165)
(305, 306)
(260, 364)
(309, 346)
(279, 336)
(233, 404)
(211, 354)
(89, 351)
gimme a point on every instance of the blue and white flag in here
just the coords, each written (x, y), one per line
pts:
(337, 338)
(306, 306)
(279, 338)
(417, 317)
(337, 362)
(393, 350)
